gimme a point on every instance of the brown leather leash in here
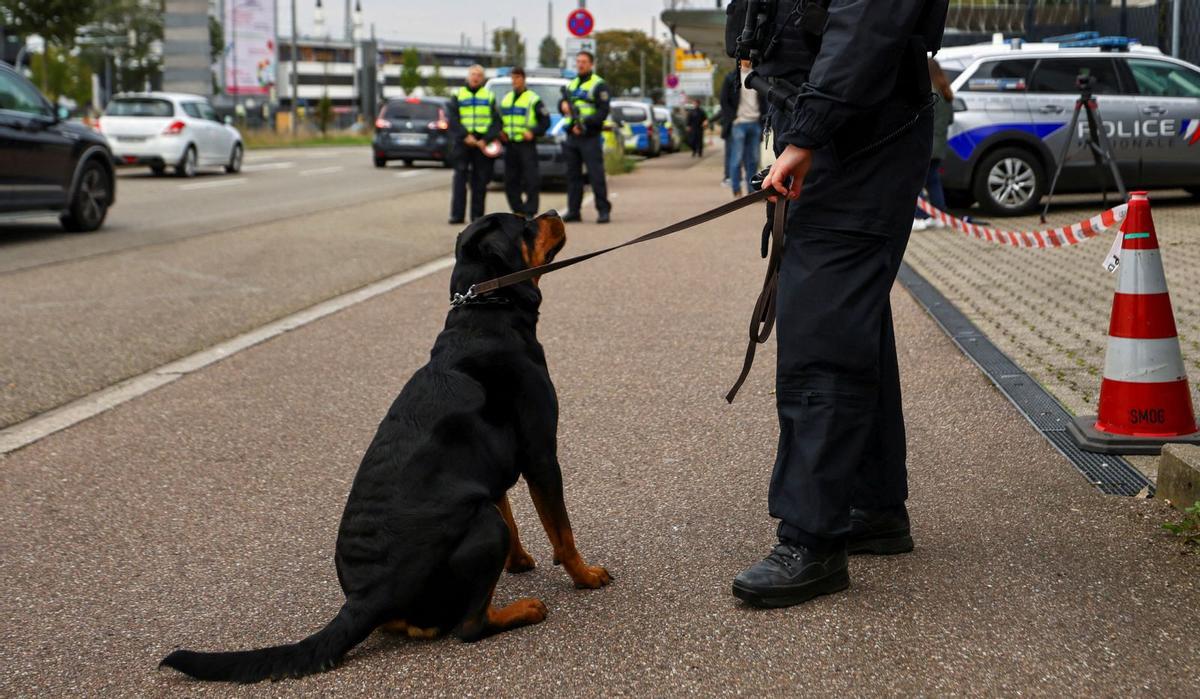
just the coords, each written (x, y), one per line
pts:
(763, 317)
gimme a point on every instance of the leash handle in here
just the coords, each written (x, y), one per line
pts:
(762, 319)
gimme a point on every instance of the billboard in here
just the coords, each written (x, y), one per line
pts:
(249, 46)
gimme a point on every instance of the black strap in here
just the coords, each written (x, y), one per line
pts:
(763, 318)
(527, 274)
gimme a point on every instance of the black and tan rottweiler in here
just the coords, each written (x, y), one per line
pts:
(427, 528)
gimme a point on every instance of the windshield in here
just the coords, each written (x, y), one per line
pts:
(631, 114)
(549, 93)
(419, 111)
(139, 107)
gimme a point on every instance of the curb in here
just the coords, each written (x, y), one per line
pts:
(1179, 475)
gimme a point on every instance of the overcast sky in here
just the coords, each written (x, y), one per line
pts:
(445, 21)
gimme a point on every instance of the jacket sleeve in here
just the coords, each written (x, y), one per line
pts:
(729, 98)
(861, 50)
(595, 122)
(493, 131)
(543, 119)
(452, 115)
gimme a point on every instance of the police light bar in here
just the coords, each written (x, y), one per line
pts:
(1103, 42)
(1077, 36)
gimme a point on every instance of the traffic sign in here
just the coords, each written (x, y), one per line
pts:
(576, 45)
(580, 22)
(672, 81)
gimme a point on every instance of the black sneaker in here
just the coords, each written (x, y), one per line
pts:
(602, 217)
(571, 217)
(790, 575)
(879, 532)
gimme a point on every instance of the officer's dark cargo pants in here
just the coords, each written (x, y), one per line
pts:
(470, 166)
(841, 426)
(521, 177)
(580, 151)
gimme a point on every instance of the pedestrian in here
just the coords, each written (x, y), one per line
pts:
(697, 120)
(474, 125)
(586, 96)
(524, 119)
(742, 111)
(852, 152)
(943, 116)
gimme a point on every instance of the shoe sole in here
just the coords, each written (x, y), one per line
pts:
(834, 582)
(881, 546)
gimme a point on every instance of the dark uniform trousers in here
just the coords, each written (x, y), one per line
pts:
(521, 178)
(841, 425)
(580, 151)
(470, 166)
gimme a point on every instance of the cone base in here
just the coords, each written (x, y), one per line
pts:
(1088, 438)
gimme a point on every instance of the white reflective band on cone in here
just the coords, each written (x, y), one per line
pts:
(1141, 272)
(1143, 361)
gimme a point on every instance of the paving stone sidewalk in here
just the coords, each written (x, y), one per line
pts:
(1049, 309)
(204, 514)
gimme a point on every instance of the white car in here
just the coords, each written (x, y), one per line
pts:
(166, 129)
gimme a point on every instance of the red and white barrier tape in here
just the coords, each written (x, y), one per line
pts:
(1050, 238)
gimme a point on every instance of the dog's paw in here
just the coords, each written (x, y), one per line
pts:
(528, 611)
(520, 563)
(592, 577)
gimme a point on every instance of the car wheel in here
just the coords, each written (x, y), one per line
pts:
(959, 199)
(187, 166)
(380, 162)
(1009, 182)
(235, 160)
(89, 206)
(1194, 191)
(408, 162)
(158, 170)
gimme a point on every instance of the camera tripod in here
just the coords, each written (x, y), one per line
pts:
(1097, 143)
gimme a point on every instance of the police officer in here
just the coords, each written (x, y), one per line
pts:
(525, 118)
(852, 144)
(474, 123)
(589, 97)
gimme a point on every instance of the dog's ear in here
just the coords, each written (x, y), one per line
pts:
(482, 239)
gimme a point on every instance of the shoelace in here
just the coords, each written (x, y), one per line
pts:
(785, 554)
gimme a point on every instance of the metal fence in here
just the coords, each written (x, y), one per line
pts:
(969, 21)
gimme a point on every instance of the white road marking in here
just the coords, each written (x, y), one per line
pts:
(25, 433)
(322, 170)
(267, 166)
(410, 173)
(225, 182)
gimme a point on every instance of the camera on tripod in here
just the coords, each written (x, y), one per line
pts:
(1085, 82)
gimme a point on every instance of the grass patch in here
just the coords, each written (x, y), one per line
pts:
(617, 163)
(272, 139)
(1188, 528)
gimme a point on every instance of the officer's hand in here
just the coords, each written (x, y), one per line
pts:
(504, 137)
(528, 135)
(470, 140)
(577, 130)
(564, 108)
(793, 162)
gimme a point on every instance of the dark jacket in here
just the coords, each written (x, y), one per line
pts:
(731, 94)
(867, 57)
(458, 133)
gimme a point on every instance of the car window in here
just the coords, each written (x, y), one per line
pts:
(140, 107)
(1162, 79)
(633, 115)
(419, 111)
(1058, 75)
(1001, 76)
(550, 94)
(206, 111)
(192, 109)
(17, 96)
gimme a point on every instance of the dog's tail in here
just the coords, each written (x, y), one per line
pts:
(319, 652)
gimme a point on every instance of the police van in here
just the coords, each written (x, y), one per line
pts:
(1013, 104)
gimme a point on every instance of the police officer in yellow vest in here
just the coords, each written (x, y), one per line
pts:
(474, 123)
(525, 119)
(589, 99)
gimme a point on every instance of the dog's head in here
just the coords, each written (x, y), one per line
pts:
(499, 244)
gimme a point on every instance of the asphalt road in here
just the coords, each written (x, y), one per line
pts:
(204, 514)
(184, 264)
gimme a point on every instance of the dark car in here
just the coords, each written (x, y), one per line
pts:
(48, 163)
(411, 129)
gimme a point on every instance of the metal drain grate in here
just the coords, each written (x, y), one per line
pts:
(1112, 475)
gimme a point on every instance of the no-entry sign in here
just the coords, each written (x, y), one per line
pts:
(580, 22)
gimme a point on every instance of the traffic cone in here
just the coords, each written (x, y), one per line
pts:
(1145, 400)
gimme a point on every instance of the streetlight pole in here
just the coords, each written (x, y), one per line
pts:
(295, 78)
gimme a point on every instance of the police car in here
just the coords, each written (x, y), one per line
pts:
(551, 163)
(1013, 104)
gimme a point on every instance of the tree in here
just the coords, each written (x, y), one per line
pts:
(57, 21)
(511, 44)
(618, 60)
(549, 53)
(410, 77)
(63, 75)
(437, 82)
(324, 113)
(216, 39)
(127, 31)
